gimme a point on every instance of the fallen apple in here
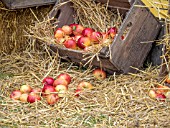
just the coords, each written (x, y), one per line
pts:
(25, 88)
(84, 85)
(36, 90)
(62, 90)
(47, 90)
(52, 99)
(77, 92)
(160, 97)
(65, 76)
(33, 97)
(15, 95)
(48, 80)
(99, 74)
(152, 94)
(60, 81)
(23, 97)
(162, 89)
(70, 43)
(83, 42)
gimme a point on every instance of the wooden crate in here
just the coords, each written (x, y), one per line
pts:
(16, 4)
(140, 26)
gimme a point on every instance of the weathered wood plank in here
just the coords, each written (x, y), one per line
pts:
(64, 13)
(79, 57)
(130, 51)
(16, 4)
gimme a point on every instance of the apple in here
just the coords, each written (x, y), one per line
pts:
(15, 95)
(25, 88)
(67, 29)
(162, 89)
(36, 90)
(70, 43)
(84, 85)
(99, 74)
(61, 89)
(77, 92)
(48, 90)
(23, 97)
(112, 32)
(60, 40)
(95, 37)
(76, 37)
(52, 99)
(160, 97)
(32, 97)
(77, 29)
(59, 33)
(59, 81)
(65, 76)
(152, 94)
(83, 42)
(87, 32)
(48, 80)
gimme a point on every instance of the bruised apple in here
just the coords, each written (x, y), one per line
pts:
(84, 85)
(52, 99)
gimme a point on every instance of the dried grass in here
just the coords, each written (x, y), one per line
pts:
(118, 101)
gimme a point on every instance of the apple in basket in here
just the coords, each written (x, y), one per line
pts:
(67, 29)
(112, 32)
(95, 37)
(99, 74)
(15, 95)
(77, 29)
(25, 88)
(59, 33)
(65, 76)
(87, 32)
(83, 42)
(70, 43)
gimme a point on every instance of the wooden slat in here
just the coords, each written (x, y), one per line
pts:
(16, 4)
(130, 51)
(78, 57)
(64, 13)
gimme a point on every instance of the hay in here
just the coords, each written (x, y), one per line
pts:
(14, 22)
(118, 101)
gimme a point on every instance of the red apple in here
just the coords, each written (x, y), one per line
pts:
(52, 99)
(61, 89)
(48, 80)
(112, 32)
(152, 94)
(84, 85)
(67, 29)
(99, 74)
(96, 37)
(15, 95)
(77, 92)
(36, 90)
(83, 42)
(162, 89)
(73, 26)
(87, 32)
(160, 97)
(59, 33)
(65, 76)
(25, 88)
(23, 97)
(59, 81)
(32, 97)
(77, 29)
(48, 90)
(70, 43)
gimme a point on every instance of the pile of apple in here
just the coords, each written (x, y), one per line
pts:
(161, 92)
(76, 36)
(53, 89)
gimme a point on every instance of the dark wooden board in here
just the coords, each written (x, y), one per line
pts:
(64, 13)
(79, 57)
(16, 4)
(143, 27)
